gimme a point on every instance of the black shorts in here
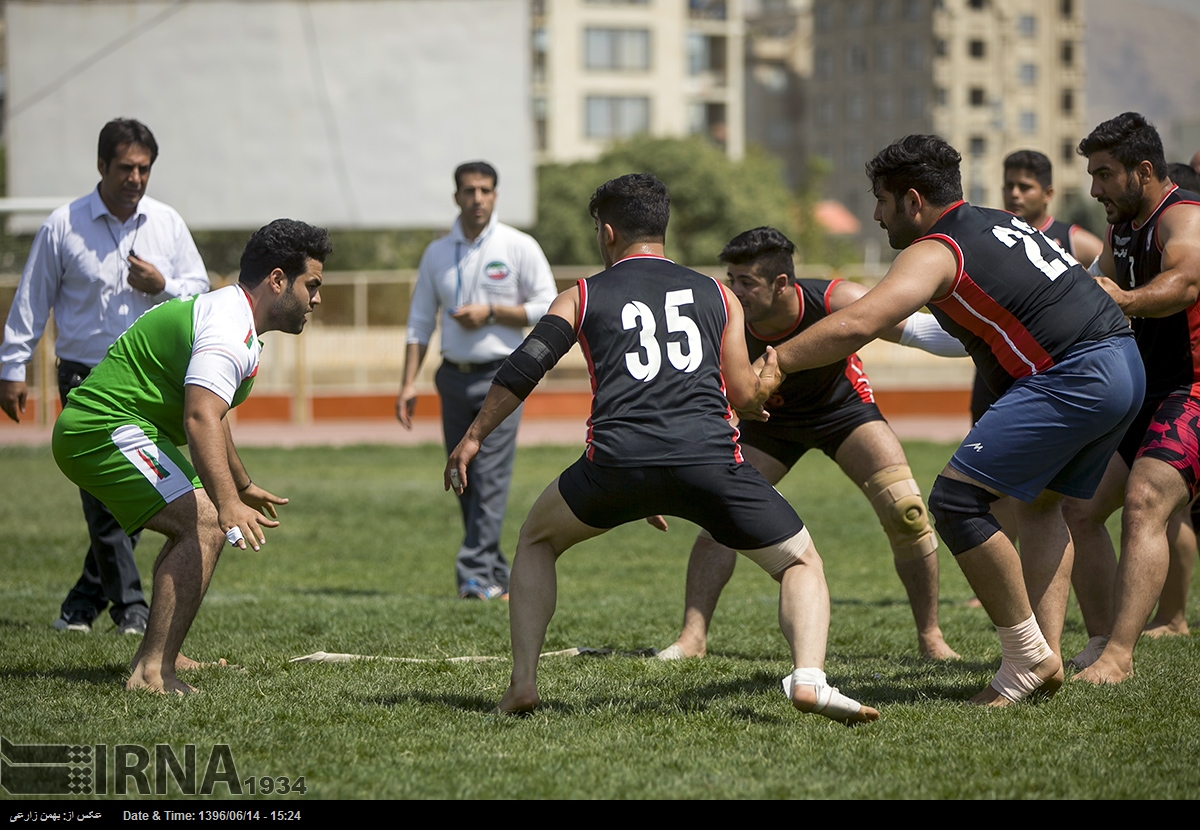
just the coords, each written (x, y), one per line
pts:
(1173, 438)
(733, 502)
(1131, 442)
(825, 432)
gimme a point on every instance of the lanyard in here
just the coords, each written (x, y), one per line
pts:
(137, 226)
(458, 289)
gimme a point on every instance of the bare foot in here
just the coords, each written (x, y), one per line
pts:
(973, 602)
(1107, 669)
(1171, 628)
(164, 684)
(933, 647)
(517, 702)
(804, 698)
(678, 650)
(1049, 672)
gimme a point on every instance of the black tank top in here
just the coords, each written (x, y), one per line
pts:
(810, 393)
(651, 332)
(1170, 346)
(1017, 305)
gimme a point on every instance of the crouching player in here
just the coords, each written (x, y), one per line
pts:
(1053, 347)
(169, 380)
(664, 346)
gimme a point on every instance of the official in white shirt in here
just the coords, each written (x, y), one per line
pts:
(487, 282)
(98, 263)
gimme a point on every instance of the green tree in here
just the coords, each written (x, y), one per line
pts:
(712, 198)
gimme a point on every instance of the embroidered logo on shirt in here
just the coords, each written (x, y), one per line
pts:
(156, 468)
(249, 339)
(496, 270)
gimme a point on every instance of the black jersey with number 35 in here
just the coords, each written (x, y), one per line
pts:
(1018, 302)
(651, 332)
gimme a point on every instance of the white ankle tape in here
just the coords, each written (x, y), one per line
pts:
(1022, 647)
(830, 702)
(1090, 654)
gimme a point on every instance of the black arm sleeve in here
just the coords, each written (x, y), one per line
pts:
(550, 339)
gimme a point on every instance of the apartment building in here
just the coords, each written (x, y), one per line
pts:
(606, 70)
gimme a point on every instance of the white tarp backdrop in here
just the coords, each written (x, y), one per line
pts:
(346, 113)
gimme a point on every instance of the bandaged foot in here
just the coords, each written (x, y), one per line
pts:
(824, 699)
(1028, 667)
(672, 652)
(1090, 654)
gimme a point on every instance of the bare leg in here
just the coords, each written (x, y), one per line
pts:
(1095, 570)
(1006, 514)
(1046, 560)
(710, 567)
(867, 450)
(548, 531)
(994, 572)
(1171, 617)
(1155, 491)
(181, 576)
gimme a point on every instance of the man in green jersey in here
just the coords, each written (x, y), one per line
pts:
(170, 380)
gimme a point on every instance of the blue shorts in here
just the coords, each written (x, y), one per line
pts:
(1057, 430)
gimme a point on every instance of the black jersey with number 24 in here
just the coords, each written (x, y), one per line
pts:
(651, 332)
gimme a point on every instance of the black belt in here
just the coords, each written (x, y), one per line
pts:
(474, 368)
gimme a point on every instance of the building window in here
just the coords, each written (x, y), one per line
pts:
(823, 16)
(1067, 53)
(854, 107)
(824, 111)
(1068, 102)
(708, 9)
(885, 105)
(1027, 25)
(856, 59)
(541, 45)
(884, 11)
(709, 119)
(1067, 8)
(939, 47)
(940, 96)
(706, 54)
(914, 54)
(913, 10)
(616, 117)
(822, 64)
(540, 123)
(977, 49)
(978, 146)
(856, 12)
(1068, 151)
(977, 96)
(1027, 73)
(617, 49)
(976, 195)
(885, 56)
(1027, 122)
(977, 5)
(914, 102)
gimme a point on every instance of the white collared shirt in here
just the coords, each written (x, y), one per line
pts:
(78, 267)
(501, 267)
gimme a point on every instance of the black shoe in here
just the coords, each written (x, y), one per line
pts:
(74, 621)
(134, 622)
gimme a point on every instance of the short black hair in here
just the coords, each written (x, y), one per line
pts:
(1130, 139)
(1184, 176)
(637, 205)
(766, 250)
(124, 131)
(286, 244)
(924, 163)
(480, 167)
(1033, 161)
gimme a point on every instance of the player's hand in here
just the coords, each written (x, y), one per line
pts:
(145, 277)
(759, 414)
(471, 316)
(406, 405)
(248, 522)
(262, 501)
(768, 371)
(455, 476)
(657, 522)
(13, 394)
(1111, 288)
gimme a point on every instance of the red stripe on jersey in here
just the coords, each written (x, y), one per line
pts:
(859, 380)
(1011, 343)
(587, 355)
(737, 448)
(828, 292)
(1193, 318)
(1158, 244)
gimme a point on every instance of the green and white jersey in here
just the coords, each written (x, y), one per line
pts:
(207, 340)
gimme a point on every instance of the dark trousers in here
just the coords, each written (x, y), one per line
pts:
(484, 501)
(110, 574)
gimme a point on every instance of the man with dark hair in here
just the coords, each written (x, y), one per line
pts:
(84, 267)
(1054, 348)
(170, 380)
(1028, 191)
(1151, 268)
(831, 408)
(486, 282)
(664, 346)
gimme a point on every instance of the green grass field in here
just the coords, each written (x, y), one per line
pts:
(363, 564)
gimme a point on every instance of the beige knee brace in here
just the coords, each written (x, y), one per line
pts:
(780, 556)
(897, 502)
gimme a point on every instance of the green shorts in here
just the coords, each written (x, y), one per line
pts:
(123, 462)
